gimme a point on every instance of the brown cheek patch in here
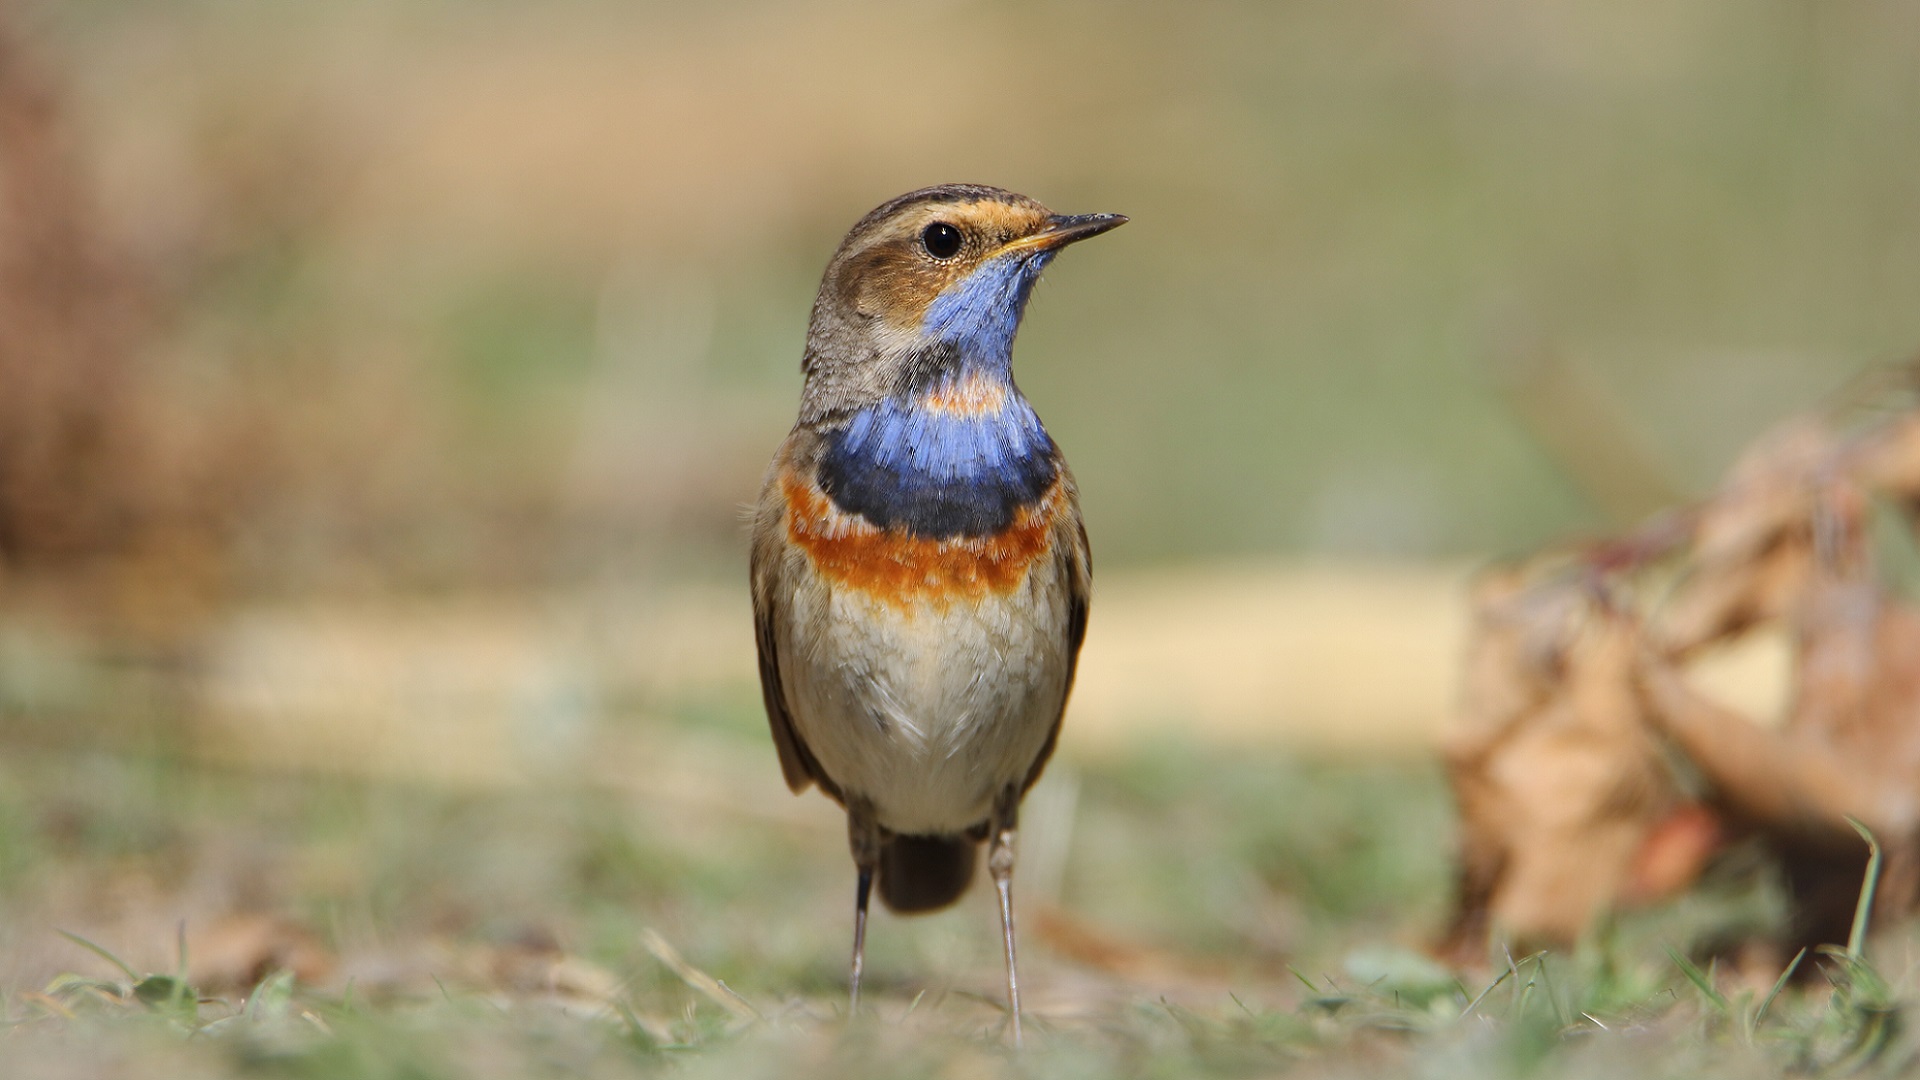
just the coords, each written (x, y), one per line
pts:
(897, 284)
(899, 568)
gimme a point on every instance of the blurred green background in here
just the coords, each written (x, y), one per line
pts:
(382, 384)
(1404, 278)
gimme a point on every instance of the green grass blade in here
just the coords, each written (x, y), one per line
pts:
(1553, 998)
(1863, 911)
(182, 990)
(1475, 1003)
(1700, 981)
(1779, 984)
(132, 976)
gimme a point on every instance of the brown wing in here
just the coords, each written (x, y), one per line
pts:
(797, 763)
(1076, 560)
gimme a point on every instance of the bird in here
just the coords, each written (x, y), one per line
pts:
(920, 571)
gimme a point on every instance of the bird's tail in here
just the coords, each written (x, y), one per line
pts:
(922, 873)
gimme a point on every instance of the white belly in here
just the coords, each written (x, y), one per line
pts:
(927, 710)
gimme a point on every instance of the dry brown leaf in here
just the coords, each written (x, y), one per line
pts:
(1752, 541)
(1568, 808)
(237, 951)
(1559, 782)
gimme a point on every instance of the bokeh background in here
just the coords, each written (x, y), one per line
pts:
(382, 381)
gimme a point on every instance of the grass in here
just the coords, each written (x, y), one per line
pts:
(1521, 1023)
(1224, 914)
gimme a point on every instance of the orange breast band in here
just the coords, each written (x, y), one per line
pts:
(901, 568)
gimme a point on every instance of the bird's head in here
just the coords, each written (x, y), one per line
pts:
(931, 284)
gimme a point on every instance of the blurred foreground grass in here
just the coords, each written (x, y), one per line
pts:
(1187, 912)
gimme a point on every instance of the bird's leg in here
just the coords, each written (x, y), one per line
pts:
(1006, 813)
(863, 836)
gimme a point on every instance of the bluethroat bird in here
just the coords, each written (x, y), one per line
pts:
(920, 571)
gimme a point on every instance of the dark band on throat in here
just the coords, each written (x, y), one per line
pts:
(938, 475)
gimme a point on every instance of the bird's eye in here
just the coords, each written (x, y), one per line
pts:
(941, 240)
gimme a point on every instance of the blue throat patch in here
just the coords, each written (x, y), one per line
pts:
(937, 472)
(980, 314)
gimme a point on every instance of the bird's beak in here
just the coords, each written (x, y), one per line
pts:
(1063, 229)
